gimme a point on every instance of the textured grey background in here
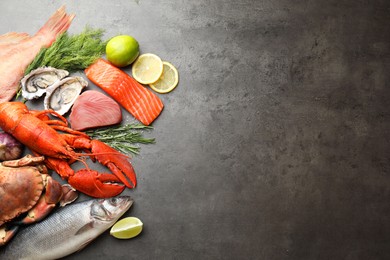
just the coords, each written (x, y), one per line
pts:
(275, 143)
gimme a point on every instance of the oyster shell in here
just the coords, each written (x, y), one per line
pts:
(35, 83)
(61, 95)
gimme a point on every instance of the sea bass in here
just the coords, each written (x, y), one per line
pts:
(18, 50)
(67, 230)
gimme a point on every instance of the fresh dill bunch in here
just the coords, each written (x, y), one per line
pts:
(71, 52)
(123, 137)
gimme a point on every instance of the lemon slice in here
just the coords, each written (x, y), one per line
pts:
(168, 80)
(147, 68)
(126, 228)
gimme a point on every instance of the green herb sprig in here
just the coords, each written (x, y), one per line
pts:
(123, 137)
(71, 52)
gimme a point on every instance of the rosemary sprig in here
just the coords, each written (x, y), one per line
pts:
(123, 137)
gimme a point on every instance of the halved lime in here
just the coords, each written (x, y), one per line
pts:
(127, 228)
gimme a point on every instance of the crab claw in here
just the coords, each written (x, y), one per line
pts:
(96, 184)
(45, 204)
(69, 194)
(115, 161)
(6, 233)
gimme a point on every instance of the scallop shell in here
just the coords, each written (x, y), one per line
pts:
(35, 83)
(62, 94)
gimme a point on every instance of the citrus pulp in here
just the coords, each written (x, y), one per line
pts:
(147, 68)
(126, 228)
(168, 80)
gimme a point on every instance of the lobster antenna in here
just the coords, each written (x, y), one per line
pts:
(103, 153)
(80, 157)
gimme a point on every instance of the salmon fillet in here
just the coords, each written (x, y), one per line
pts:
(142, 103)
(18, 50)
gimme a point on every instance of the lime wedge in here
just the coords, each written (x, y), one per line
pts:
(126, 228)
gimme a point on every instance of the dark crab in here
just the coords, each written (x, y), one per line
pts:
(28, 192)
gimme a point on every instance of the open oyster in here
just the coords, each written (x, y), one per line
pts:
(61, 95)
(35, 83)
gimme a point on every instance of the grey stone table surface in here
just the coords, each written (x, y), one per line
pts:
(275, 144)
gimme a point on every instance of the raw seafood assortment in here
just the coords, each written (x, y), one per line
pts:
(39, 133)
(30, 193)
(27, 187)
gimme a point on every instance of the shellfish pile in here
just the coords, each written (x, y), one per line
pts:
(61, 91)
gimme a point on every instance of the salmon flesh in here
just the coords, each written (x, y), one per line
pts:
(142, 103)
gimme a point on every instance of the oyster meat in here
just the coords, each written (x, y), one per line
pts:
(35, 83)
(61, 95)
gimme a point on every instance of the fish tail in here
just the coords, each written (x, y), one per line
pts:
(58, 23)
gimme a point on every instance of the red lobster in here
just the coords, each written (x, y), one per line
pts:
(38, 132)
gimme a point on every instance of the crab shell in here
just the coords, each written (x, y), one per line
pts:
(20, 189)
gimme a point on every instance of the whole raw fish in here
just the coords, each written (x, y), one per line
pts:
(66, 231)
(18, 50)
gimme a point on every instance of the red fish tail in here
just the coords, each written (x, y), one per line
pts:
(58, 23)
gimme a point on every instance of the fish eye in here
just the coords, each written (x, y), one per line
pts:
(114, 201)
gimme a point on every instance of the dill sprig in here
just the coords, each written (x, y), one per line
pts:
(71, 52)
(123, 137)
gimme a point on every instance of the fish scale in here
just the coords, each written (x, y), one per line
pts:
(65, 231)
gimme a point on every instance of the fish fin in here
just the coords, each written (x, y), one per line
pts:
(58, 23)
(85, 228)
(13, 38)
(85, 244)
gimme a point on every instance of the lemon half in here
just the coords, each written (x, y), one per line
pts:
(168, 80)
(127, 228)
(147, 68)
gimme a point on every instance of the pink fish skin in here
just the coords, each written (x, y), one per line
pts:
(11, 38)
(18, 50)
(94, 109)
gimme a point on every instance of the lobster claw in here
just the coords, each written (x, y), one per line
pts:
(115, 161)
(96, 184)
(87, 181)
